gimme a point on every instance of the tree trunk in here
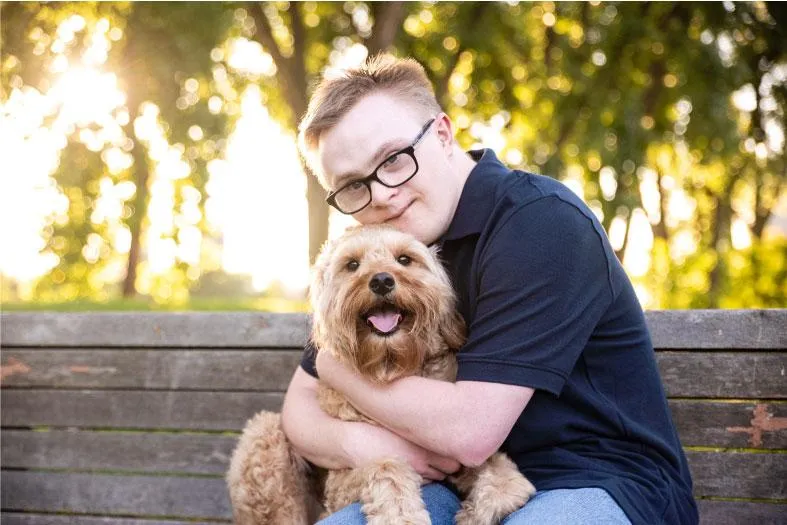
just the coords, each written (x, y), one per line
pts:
(140, 174)
(622, 251)
(293, 80)
(720, 243)
(388, 17)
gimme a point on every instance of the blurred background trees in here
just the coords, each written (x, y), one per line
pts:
(121, 122)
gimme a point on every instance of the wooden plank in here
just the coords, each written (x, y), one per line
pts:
(718, 329)
(699, 423)
(739, 375)
(712, 512)
(737, 512)
(13, 518)
(752, 375)
(249, 370)
(671, 329)
(145, 329)
(173, 497)
(730, 424)
(117, 451)
(704, 424)
(134, 409)
(182, 497)
(739, 474)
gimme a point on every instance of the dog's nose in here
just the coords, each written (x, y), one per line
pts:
(382, 283)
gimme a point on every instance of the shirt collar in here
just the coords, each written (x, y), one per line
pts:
(478, 196)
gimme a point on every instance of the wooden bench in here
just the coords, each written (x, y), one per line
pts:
(130, 418)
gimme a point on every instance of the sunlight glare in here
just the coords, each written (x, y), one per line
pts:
(257, 198)
(640, 241)
(741, 235)
(86, 95)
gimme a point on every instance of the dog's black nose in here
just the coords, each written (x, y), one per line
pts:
(382, 283)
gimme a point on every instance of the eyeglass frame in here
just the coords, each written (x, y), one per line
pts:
(367, 181)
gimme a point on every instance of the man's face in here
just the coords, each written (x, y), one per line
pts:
(376, 127)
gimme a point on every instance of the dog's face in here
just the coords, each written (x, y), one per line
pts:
(383, 303)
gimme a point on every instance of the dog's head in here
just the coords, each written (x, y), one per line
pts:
(383, 303)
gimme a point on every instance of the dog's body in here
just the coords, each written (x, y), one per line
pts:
(384, 306)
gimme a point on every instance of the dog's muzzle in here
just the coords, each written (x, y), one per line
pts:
(382, 283)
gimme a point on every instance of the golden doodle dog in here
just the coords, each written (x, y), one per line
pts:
(383, 305)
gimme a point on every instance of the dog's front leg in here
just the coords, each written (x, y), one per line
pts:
(492, 491)
(268, 482)
(392, 494)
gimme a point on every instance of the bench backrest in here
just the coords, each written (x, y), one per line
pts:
(134, 415)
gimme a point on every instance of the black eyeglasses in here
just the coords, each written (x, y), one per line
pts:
(394, 171)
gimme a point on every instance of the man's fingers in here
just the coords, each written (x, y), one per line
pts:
(432, 474)
(446, 465)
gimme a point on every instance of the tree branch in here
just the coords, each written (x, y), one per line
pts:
(264, 32)
(298, 63)
(292, 82)
(476, 15)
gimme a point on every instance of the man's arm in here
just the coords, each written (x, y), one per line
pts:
(332, 443)
(467, 420)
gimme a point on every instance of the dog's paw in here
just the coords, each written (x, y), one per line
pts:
(490, 506)
(466, 517)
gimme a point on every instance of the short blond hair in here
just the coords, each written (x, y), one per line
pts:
(402, 78)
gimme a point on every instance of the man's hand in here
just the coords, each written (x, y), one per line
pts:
(367, 443)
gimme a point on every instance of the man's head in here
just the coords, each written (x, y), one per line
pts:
(355, 125)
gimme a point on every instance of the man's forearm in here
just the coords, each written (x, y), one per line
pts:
(401, 408)
(452, 419)
(315, 435)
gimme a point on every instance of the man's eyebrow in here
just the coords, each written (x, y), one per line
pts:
(386, 148)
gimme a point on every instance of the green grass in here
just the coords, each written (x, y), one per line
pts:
(261, 304)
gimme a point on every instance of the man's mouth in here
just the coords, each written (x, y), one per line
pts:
(400, 213)
(384, 320)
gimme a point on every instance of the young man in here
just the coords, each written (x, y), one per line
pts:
(558, 370)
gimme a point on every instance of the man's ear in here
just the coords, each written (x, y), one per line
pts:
(445, 132)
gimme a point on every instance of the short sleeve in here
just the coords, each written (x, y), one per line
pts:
(543, 284)
(308, 359)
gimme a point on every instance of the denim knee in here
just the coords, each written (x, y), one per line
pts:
(441, 503)
(585, 506)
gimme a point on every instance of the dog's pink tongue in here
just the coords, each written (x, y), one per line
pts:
(385, 322)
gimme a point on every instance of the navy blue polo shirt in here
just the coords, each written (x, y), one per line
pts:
(548, 306)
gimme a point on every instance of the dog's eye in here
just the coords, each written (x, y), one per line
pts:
(353, 265)
(404, 260)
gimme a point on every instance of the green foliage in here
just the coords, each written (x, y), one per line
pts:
(637, 104)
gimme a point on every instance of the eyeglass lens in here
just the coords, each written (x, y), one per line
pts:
(394, 172)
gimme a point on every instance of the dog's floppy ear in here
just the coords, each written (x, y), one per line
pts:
(318, 286)
(320, 271)
(317, 282)
(453, 330)
(434, 249)
(452, 324)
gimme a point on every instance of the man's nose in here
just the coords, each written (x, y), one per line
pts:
(382, 283)
(381, 194)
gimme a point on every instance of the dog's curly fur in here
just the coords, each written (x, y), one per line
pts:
(270, 484)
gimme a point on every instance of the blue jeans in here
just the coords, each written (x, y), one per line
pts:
(548, 507)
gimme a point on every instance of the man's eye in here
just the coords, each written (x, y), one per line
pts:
(404, 260)
(353, 265)
(392, 161)
(356, 185)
